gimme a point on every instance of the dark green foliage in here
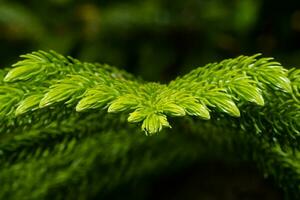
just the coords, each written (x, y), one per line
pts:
(59, 142)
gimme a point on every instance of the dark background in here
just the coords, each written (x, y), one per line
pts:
(159, 40)
(156, 39)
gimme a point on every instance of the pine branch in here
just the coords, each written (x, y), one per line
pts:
(97, 163)
(53, 112)
(51, 80)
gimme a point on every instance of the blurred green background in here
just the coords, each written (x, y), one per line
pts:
(156, 39)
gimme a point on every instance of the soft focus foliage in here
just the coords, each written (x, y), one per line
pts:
(157, 39)
(69, 98)
(73, 129)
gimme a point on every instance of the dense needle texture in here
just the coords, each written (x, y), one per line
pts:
(57, 130)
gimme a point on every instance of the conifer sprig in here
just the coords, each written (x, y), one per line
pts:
(56, 129)
(49, 79)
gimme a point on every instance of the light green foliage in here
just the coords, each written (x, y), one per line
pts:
(65, 90)
(248, 91)
(96, 98)
(29, 103)
(154, 123)
(193, 108)
(51, 107)
(123, 103)
(23, 72)
(225, 87)
(9, 97)
(137, 116)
